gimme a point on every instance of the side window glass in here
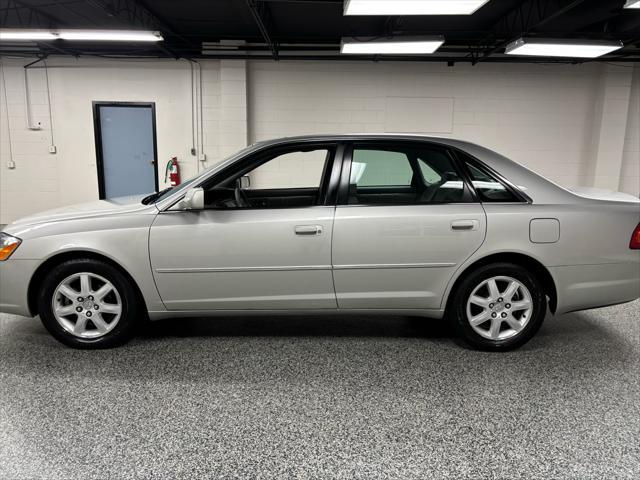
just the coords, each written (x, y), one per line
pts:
(289, 170)
(429, 175)
(378, 168)
(489, 189)
(407, 176)
(290, 179)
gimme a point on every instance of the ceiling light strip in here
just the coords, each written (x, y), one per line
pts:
(81, 35)
(395, 46)
(539, 47)
(412, 7)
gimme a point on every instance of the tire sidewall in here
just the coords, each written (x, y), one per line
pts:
(471, 281)
(121, 332)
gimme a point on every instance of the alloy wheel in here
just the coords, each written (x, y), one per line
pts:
(499, 308)
(87, 305)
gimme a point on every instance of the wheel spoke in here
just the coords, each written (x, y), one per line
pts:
(480, 318)
(68, 292)
(80, 326)
(102, 291)
(494, 331)
(100, 324)
(513, 323)
(110, 308)
(480, 301)
(520, 305)
(66, 310)
(494, 293)
(85, 284)
(511, 290)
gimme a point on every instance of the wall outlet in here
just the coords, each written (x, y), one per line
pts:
(202, 157)
(11, 164)
(193, 152)
(52, 149)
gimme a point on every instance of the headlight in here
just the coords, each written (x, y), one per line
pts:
(7, 245)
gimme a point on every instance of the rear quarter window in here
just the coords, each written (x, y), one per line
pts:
(488, 188)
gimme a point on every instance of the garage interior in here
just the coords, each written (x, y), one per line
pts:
(315, 397)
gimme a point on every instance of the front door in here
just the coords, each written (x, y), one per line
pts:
(125, 149)
(262, 243)
(404, 223)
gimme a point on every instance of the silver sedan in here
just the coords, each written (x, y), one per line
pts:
(366, 224)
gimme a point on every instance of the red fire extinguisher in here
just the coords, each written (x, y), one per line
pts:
(172, 172)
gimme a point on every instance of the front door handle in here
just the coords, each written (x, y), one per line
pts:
(308, 230)
(464, 225)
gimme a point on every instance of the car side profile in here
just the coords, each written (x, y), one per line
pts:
(384, 224)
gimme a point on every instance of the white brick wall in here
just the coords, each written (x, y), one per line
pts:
(42, 180)
(542, 116)
(630, 171)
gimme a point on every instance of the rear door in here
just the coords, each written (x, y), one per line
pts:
(404, 222)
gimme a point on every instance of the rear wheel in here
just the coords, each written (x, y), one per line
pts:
(86, 303)
(498, 307)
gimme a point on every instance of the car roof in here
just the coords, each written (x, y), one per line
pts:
(325, 137)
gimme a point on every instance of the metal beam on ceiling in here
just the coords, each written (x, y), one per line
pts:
(262, 16)
(27, 16)
(136, 13)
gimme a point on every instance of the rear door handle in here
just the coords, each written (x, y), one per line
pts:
(308, 229)
(464, 225)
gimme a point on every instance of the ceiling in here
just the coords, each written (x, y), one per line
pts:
(312, 29)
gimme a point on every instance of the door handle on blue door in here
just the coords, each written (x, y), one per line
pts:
(308, 230)
(464, 225)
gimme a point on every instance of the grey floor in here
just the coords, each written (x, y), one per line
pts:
(323, 398)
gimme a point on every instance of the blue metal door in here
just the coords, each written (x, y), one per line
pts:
(126, 149)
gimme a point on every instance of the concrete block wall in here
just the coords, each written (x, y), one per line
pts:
(630, 167)
(576, 124)
(538, 115)
(41, 180)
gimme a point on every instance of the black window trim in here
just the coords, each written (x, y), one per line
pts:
(487, 170)
(345, 175)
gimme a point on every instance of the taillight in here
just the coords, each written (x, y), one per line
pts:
(634, 244)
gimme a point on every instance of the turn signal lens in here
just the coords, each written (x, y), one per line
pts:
(634, 244)
(7, 245)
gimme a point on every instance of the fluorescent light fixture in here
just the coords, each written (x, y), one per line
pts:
(412, 7)
(24, 34)
(88, 35)
(632, 4)
(394, 46)
(540, 47)
(110, 35)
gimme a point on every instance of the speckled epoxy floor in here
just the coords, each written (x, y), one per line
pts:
(323, 398)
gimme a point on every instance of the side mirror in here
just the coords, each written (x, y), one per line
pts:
(244, 182)
(193, 199)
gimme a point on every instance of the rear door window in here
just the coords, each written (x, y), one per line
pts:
(404, 175)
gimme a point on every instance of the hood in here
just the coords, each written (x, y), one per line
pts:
(603, 194)
(112, 206)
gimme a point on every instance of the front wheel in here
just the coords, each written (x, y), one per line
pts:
(498, 307)
(86, 303)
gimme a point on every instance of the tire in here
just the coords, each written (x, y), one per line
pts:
(88, 304)
(494, 319)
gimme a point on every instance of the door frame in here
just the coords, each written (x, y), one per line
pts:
(98, 139)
